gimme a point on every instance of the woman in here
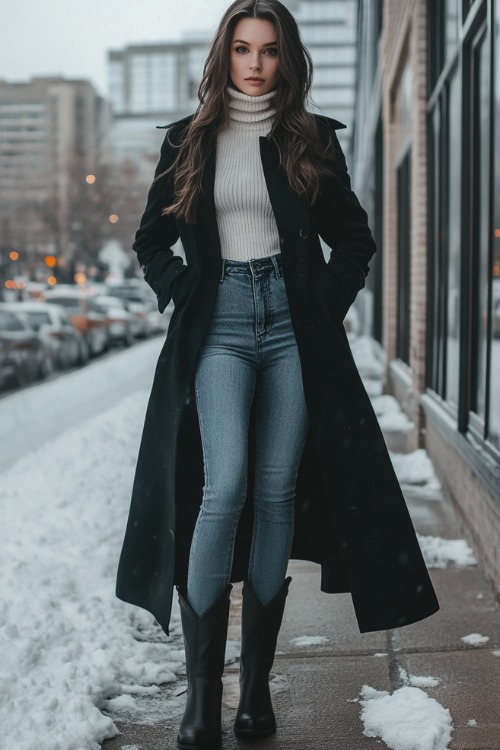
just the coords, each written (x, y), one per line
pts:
(260, 443)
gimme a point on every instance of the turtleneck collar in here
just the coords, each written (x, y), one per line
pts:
(251, 109)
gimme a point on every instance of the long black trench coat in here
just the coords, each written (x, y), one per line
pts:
(350, 515)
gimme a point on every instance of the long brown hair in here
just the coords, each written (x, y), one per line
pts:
(294, 130)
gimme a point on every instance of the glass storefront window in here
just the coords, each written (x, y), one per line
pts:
(494, 392)
(444, 19)
(454, 243)
(451, 8)
(480, 248)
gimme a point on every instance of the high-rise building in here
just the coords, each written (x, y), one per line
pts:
(50, 128)
(328, 29)
(150, 85)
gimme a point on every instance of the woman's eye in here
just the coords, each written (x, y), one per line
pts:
(240, 50)
(272, 51)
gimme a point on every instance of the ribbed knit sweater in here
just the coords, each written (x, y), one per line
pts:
(246, 222)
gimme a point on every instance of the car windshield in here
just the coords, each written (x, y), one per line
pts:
(37, 318)
(69, 302)
(126, 294)
(9, 322)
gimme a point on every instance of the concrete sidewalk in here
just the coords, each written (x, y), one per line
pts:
(315, 688)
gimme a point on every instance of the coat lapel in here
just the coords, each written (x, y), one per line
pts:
(207, 214)
(291, 214)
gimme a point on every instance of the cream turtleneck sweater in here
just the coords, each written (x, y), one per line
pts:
(246, 222)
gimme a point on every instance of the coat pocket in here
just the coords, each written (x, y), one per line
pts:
(333, 293)
(179, 286)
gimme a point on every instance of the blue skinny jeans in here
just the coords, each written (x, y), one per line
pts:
(249, 352)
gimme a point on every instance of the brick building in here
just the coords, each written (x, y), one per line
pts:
(427, 166)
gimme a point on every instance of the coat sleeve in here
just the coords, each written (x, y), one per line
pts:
(157, 233)
(343, 225)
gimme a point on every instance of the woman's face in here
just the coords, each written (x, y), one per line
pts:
(254, 66)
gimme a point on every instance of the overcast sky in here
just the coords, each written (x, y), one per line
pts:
(71, 37)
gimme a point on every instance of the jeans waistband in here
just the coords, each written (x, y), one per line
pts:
(256, 267)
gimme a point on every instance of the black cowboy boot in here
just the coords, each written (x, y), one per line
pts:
(205, 644)
(259, 633)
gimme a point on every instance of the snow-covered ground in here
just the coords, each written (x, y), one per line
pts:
(68, 647)
(67, 644)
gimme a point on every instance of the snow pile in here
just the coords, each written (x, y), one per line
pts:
(395, 422)
(439, 553)
(475, 639)
(383, 405)
(406, 719)
(369, 357)
(310, 640)
(416, 469)
(66, 643)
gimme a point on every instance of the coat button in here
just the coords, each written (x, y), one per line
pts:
(303, 234)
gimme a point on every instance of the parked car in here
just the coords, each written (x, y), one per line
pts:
(23, 356)
(53, 325)
(86, 317)
(138, 302)
(119, 320)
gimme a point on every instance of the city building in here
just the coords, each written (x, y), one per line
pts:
(154, 84)
(51, 132)
(427, 167)
(328, 29)
(150, 85)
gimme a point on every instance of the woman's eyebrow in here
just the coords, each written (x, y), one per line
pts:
(242, 41)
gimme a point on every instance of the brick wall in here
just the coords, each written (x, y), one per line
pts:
(479, 513)
(404, 41)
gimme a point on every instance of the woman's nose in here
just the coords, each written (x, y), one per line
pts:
(255, 64)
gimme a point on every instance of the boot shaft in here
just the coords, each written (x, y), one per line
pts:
(260, 626)
(205, 636)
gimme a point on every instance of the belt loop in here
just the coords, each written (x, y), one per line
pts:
(276, 267)
(222, 269)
